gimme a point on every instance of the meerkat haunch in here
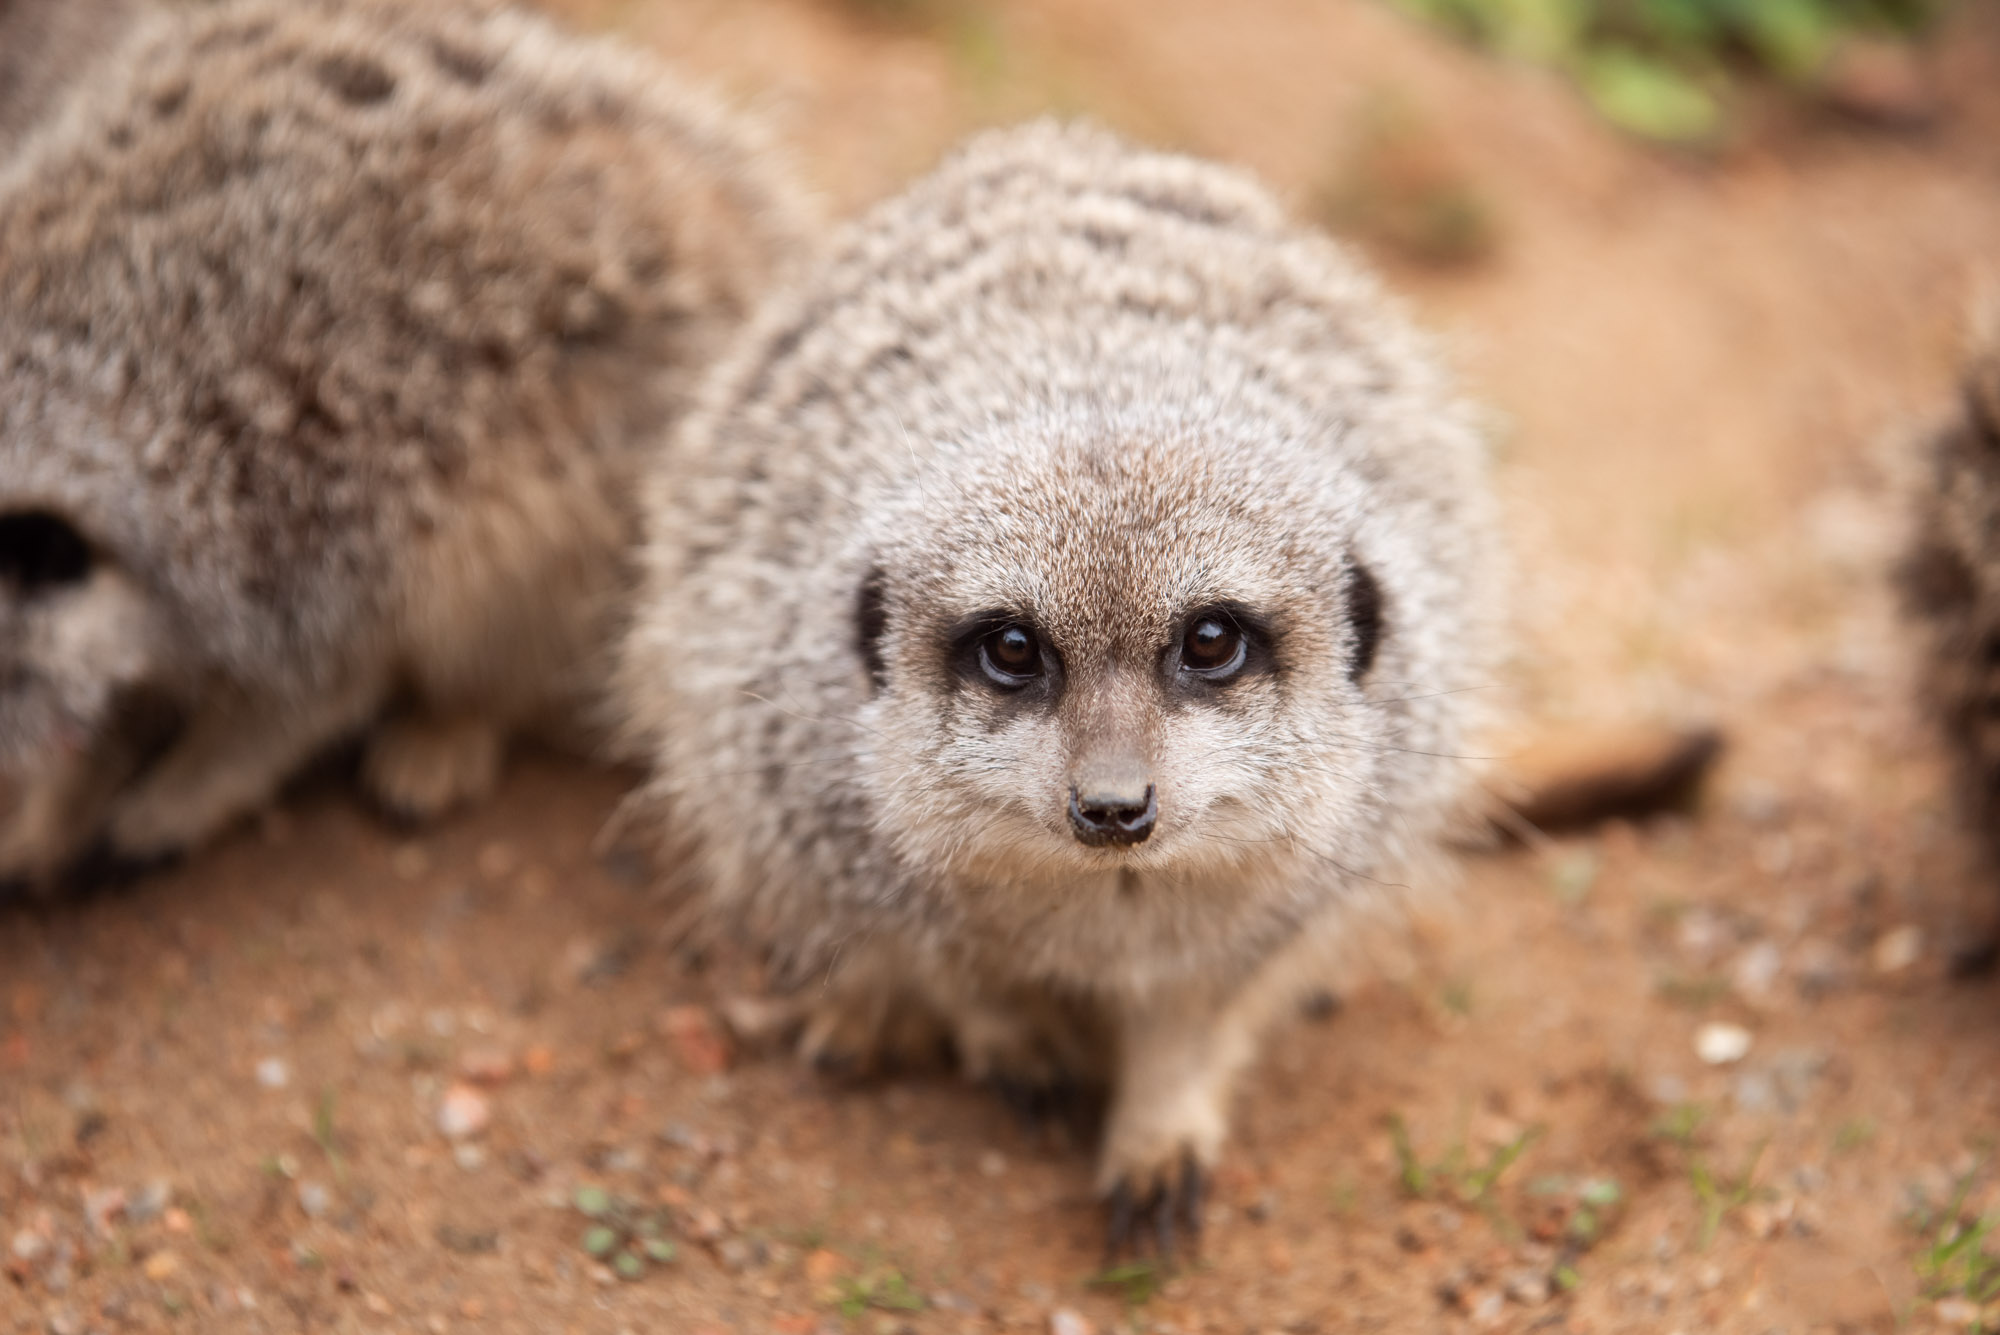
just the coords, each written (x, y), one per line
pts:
(45, 48)
(1951, 587)
(1059, 612)
(331, 339)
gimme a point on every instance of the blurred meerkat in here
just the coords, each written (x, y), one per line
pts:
(1062, 613)
(331, 337)
(1950, 580)
(45, 48)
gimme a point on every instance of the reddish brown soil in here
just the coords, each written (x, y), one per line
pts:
(1706, 375)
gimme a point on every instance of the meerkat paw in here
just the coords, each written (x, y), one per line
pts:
(1156, 1205)
(32, 841)
(418, 767)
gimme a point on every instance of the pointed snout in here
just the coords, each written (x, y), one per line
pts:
(1113, 803)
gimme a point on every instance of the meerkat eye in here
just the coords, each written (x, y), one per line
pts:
(1010, 656)
(1214, 647)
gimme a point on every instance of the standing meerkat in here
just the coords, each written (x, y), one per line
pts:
(331, 338)
(1059, 614)
(1951, 587)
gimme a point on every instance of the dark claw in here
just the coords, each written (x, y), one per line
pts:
(1118, 1235)
(1194, 1188)
(1170, 1210)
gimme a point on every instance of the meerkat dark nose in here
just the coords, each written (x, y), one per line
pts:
(1101, 818)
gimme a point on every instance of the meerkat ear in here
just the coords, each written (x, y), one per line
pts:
(1364, 613)
(871, 623)
(40, 551)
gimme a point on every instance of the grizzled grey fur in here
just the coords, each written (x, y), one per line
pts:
(46, 48)
(332, 336)
(1951, 587)
(1100, 396)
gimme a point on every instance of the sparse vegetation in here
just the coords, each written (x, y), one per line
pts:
(882, 1290)
(1720, 1194)
(1671, 69)
(621, 1235)
(1456, 1176)
(1135, 1282)
(1956, 1263)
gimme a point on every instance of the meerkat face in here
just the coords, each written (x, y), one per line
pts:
(76, 632)
(1127, 651)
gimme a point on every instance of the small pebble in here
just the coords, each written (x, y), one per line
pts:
(1718, 1043)
(272, 1073)
(1957, 1312)
(314, 1199)
(696, 1038)
(1897, 949)
(1755, 970)
(463, 1113)
(1065, 1321)
(162, 1266)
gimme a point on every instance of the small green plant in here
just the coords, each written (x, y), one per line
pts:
(323, 1136)
(1135, 1282)
(621, 1235)
(1720, 1194)
(1956, 1263)
(1852, 1134)
(1456, 1175)
(1670, 69)
(1680, 1124)
(882, 1290)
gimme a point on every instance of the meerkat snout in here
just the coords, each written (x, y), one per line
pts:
(1113, 814)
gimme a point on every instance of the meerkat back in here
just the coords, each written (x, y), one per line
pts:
(1065, 608)
(46, 47)
(333, 334)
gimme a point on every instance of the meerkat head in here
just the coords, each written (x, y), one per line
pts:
(1133, 646)
(76, 634)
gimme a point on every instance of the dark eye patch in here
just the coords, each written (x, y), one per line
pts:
(1005, 652)
(40, 551)
(1364, 614)
(871, 623)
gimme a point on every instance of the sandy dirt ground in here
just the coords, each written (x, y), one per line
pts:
(224, 1095)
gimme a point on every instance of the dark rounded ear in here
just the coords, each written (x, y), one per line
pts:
(41, 551)
(1364, 614)
(871, 623)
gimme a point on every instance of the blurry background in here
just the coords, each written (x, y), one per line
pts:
(1709, 262)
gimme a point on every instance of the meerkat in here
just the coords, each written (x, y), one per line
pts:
(45, 48)
(1950, 577)
(1063, 612)
(332, 336)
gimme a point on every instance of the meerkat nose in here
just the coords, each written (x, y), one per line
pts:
(1101, 817)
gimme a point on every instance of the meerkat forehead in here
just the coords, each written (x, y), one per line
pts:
(1109, 532)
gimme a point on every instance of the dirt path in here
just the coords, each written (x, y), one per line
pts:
(220, 1094)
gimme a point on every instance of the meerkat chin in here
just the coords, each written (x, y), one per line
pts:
(1065, 608)
(332, 334)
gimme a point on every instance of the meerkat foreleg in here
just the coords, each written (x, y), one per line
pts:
(1176, 1069)
(231, 757)
(420, 764)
